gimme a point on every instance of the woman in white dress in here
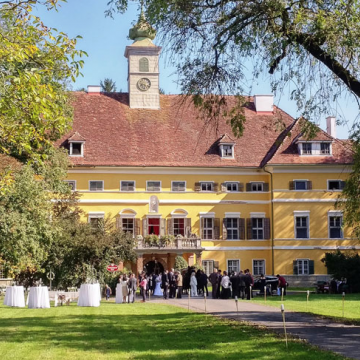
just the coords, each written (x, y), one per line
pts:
(193, 285)
(157, 291)
(125, 290)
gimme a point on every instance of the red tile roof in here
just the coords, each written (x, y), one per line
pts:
(172, 136)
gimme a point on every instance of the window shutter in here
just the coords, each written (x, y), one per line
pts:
(119, 223)
(249, 228)
(311, 267)
(342, 185)
(216, 227)
(145, 227)
(170, 226)
(202, 228)
(223, 187)
(266, 228)
(266, 187)
(197, 186)
(295, 267)
(291, 185)
(216, 187)
(248, 187)
(137, 227)
(216, 265)
(241, 224)
(309, 185)
(224, 229)
(162, 227)
(241, 187)
(187, 224)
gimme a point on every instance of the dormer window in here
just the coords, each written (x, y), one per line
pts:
(226, 147)
(307, 148)
(76, 149)
(227, 151)
(317, 148)
(325, 148)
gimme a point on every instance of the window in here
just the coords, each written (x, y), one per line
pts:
(301, 227)
(96, 220)
(258, 267)
(208, 266)
(256, 186)
(303, 266)
(232, 228)
(153, 186)
(227, 151)
(257, 228)
(96, 185)
(325, 148)
(178, 186)
(179, 226)
(76, 149)
(300, 185)
(72, 184)
(336, 185)
(128, 225)
(127, 185)
(207, 186)
(335, 231)
(307, 148)
(154, 226)
(233, 266)
(144, 65)
(207, 228)
(232, 186)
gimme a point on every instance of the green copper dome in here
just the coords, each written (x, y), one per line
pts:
(142, 30)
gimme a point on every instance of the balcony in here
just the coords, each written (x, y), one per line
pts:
(179, 244)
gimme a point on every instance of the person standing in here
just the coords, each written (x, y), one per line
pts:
(242, 283)
(282, 283)
(165, 283)
(214, 280)
(219, 287)
(143, 285)
(172, 284)
(157, 291)
(107, 292)
(235, 280)
(204, 283)
(132, 285)
(179, 283)
(225, 283)
(193, 285)
(248, 284)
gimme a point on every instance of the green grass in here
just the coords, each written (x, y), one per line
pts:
(329, 305)
(138, 331)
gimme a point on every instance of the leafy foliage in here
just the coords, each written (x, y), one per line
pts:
(108, 85)
(344, 265)
(180, 263)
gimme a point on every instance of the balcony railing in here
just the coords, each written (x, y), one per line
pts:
(178, 243)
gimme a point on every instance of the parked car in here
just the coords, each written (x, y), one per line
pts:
(271, 282)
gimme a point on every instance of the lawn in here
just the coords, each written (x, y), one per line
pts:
(320, 304)
(137, 331)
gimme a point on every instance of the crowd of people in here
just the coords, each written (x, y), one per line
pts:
(174, 284)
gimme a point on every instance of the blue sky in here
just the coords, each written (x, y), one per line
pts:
(105, 39)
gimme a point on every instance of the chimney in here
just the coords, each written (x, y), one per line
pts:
(331, 126)
(93, 89)
(264, 103)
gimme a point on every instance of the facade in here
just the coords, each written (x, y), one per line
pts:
(264, 201)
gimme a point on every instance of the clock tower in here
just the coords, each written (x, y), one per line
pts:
(143, 66)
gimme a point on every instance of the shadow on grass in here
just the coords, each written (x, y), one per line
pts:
(170, 335)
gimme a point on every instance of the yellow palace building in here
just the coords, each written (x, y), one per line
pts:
(264, 201)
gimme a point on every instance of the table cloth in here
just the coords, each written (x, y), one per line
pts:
(15, 296)
(89, 295)
(38, 298)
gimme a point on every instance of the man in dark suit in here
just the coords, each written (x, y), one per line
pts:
(235, 282)
(132, 286)
(172, 284)
(165, 283)
(214, 279)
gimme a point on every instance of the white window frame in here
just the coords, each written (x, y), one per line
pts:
(227, 265)
(315, 148)
(179, 218)
(253, 267)
(122, 218)
(258, 228)
(302, 268)
(102, 189)
(302, 214)
(73, 182)
(232, 183)
(128, 181)
(207, 182)
(96, 215)
(300, 180)
(178, 181)
(233, 228)
(208, 215)
(311, 148)
(339, 181)
(208, 261)
(257, 183)
(81, 149)
(223, 151)
(336, 214)
(160, 187)
(330, 149)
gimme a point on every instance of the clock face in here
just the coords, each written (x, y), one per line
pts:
(143, 84)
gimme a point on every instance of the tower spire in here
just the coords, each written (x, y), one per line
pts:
(142, 29)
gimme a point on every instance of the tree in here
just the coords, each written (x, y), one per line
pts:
(180, 263)
(108, 85)
(36, 64)
(311, 45)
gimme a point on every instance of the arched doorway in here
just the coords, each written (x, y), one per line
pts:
(154, 266)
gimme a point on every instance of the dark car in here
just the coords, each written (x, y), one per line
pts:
(271, 283)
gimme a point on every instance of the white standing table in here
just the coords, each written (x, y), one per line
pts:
(38, 298)
(15, 296)
(89, 295)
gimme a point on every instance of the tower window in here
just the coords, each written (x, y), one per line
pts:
(144, 65)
